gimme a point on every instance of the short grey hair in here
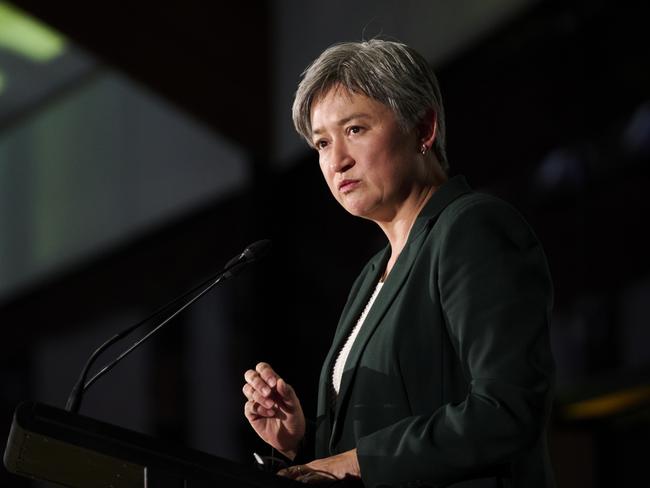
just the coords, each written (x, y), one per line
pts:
(389, 72)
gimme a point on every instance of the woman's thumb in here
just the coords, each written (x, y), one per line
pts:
(286, 392)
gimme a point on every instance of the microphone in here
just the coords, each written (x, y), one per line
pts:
(251, 254)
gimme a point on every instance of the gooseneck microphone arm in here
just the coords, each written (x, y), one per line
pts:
(251, 254)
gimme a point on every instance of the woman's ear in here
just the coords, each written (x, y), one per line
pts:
(428, 129)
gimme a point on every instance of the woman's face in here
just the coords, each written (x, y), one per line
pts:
(369, 163)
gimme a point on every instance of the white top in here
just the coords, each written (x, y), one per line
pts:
(337, 372)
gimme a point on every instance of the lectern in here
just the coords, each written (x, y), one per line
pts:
(51, 444)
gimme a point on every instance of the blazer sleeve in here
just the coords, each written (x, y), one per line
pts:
(495, 290)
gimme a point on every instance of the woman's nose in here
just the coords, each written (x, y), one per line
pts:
(341, 159)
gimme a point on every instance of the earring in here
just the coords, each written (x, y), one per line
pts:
(423, 149)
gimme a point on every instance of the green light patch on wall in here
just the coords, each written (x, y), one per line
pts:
(27, 37)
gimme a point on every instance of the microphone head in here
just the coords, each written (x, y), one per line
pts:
(257, 250)
(252, 253)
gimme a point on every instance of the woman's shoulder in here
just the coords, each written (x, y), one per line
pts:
(476, 207)
(480, 218)
(475, 201)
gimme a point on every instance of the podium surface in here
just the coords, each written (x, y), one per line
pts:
(51, 444)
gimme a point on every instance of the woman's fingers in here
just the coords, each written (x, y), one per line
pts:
(267, 374)
(293, 472)
(254, 395)
(287, 393)
(254, 379)
(253, 410)
(262, 382)
(268, 394)
(306, 474)
(262, 379)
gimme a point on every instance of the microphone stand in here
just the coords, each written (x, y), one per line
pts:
(251, 254)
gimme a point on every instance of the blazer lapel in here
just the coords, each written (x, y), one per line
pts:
(394, 282)
(349, 316)
(385, 297)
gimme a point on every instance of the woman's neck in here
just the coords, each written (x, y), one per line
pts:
(398, 228)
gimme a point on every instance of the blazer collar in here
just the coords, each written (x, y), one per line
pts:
(443, 196)
(448, 192)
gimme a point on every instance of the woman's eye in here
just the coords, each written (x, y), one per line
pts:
(320, 145)
(355, 129)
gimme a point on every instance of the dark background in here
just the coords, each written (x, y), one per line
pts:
(549, 110)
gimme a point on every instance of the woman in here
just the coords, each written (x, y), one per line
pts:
(440, 370)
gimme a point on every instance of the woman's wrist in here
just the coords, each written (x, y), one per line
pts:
(289, 454)
(293, 451)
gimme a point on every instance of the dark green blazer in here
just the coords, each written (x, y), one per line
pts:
(451, 376)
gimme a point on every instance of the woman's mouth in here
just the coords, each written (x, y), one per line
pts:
(347, 186)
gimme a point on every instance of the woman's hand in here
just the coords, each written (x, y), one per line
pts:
(341, 466)
(273, 410)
